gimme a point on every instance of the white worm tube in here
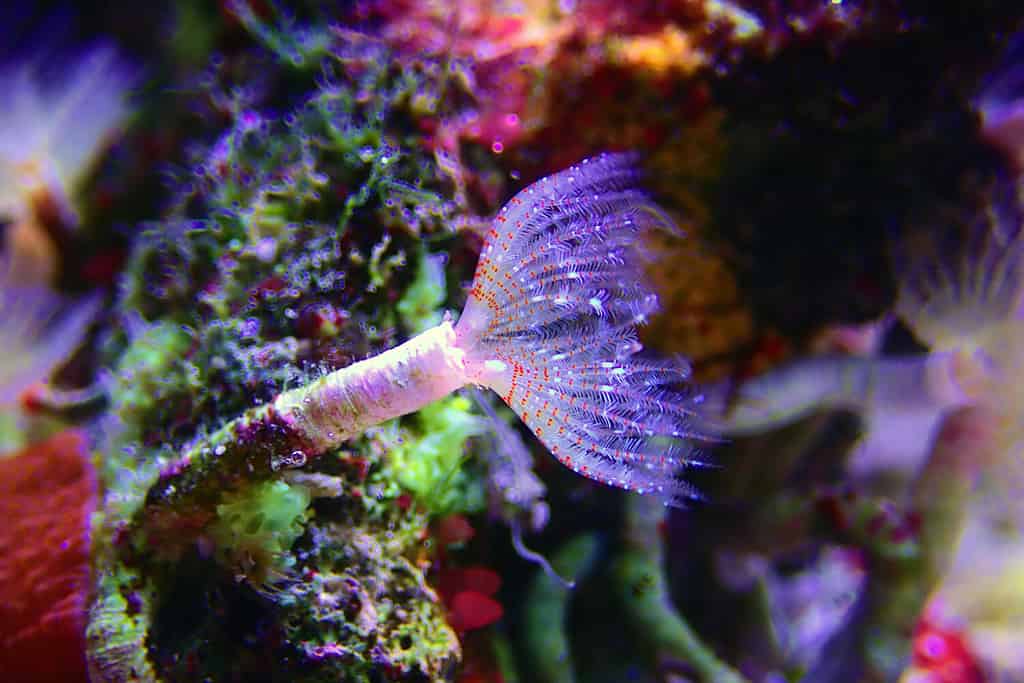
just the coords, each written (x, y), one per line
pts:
(913, 384)
(399, 381)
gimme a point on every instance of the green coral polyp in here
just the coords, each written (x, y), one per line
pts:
(256, 527)
(145, 368)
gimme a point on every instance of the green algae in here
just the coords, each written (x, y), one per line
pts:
(257, 526)
(425, 295)
(431, 465)
(367, 606)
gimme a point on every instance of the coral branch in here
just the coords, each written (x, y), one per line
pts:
(646, 604)
(940, 498)
(546, 613)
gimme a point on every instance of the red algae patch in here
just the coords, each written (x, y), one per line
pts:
(467, 593)
(47, 492)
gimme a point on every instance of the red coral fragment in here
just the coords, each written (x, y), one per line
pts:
(467, 593)
(454, 529)
(454, 580)
(47, 493)
(944, 653)
(471, 610)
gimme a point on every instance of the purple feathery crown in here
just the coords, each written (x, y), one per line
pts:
(551, 322)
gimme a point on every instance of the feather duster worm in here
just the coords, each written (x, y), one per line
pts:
(551, 321)
(963, 300)
(550, 325)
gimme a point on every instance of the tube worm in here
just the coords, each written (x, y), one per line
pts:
(51, 132)
(550, 325)
(39, 329)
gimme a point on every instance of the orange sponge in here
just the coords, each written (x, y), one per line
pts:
(47, 493)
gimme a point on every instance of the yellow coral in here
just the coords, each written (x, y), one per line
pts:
(704, 315)
(665, 53)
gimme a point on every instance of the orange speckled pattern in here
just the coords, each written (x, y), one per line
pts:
(47, 492)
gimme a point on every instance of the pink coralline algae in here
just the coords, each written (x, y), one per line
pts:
(505, 47)
(47, 493)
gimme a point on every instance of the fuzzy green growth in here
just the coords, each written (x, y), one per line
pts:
(153, 384)
(421, 301)
(256, 527)
(117, 631)
(144, 369)
(431, 466)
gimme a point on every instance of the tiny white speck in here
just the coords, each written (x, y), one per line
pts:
(495, 366)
